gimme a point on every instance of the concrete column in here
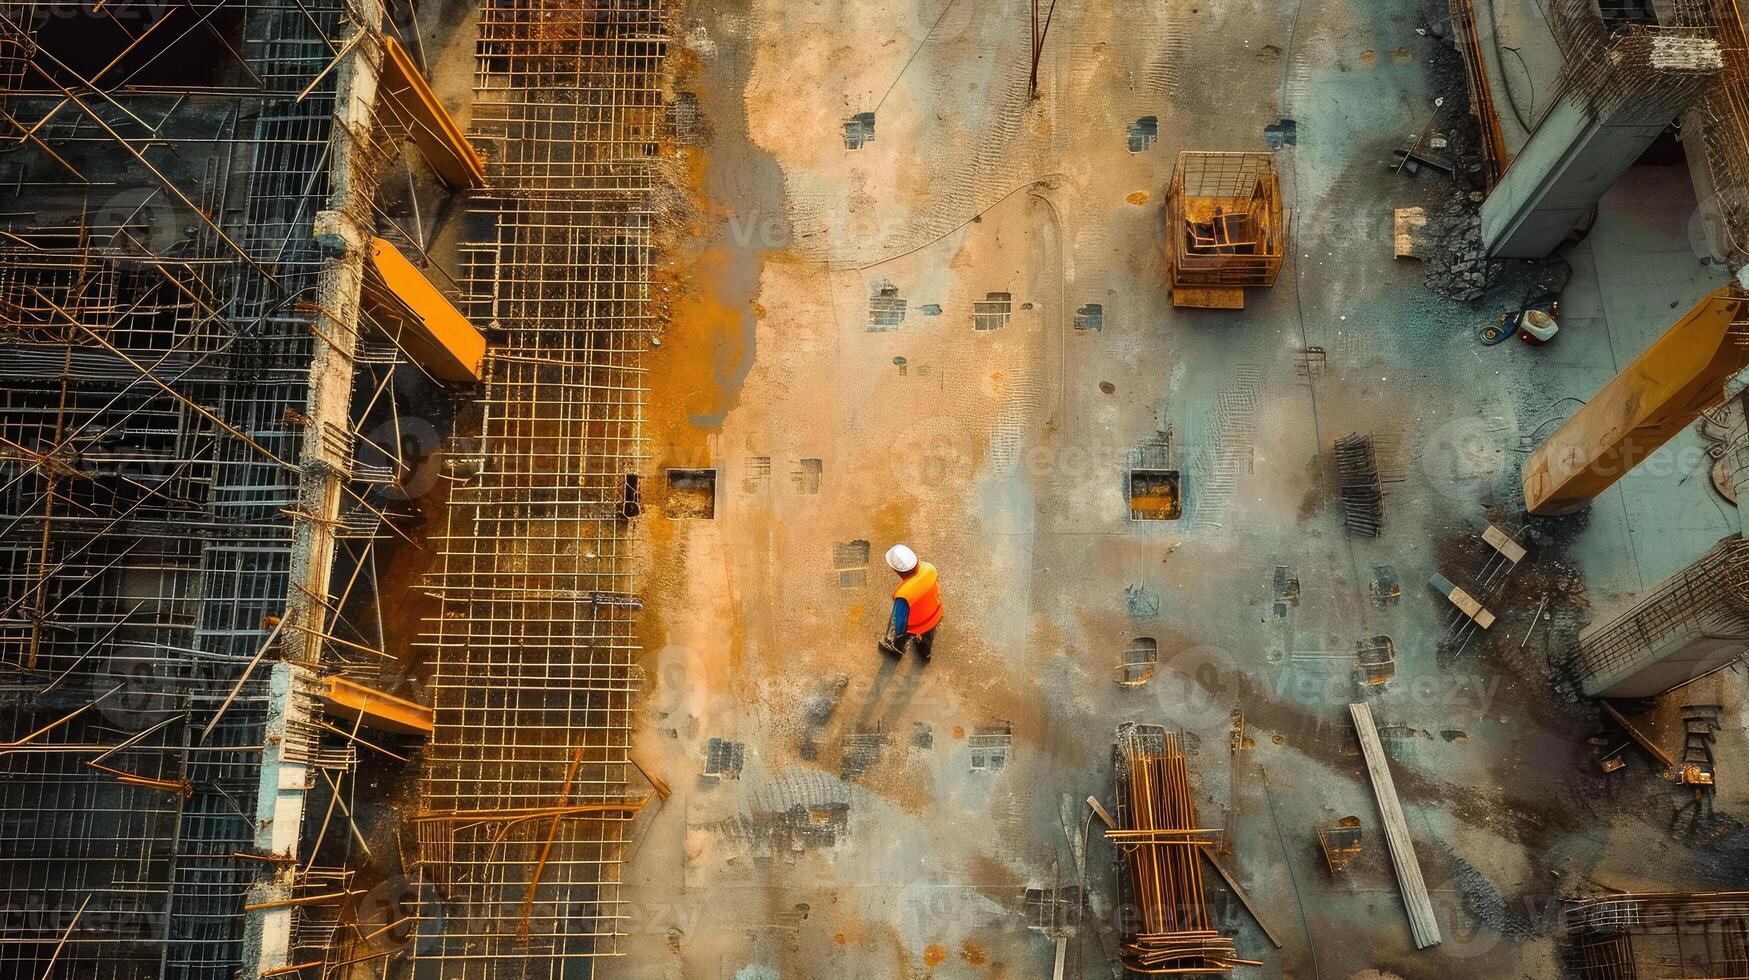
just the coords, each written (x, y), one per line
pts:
(344, 230)
(1607, 115)
(1694, 623)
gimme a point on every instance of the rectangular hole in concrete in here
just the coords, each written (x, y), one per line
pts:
(1142, 133)
(850, 558)
(1154, 495)
(807, 476)
(886, 308)
(755, 474)
(631, 502)
(723, 759)
(692, 493)
(1140, 660)
(1285, 586)
(992, 312)
(989, 746)
(859, 129)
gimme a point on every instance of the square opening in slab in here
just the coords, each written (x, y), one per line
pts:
(1154, 495)
(692, 493)
(1140, 660)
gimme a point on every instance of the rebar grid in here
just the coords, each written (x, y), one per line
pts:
(1636, 71)
(524, 805)
(1224, 220)
(1725, 133)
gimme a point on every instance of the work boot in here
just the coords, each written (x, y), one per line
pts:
(887, 646)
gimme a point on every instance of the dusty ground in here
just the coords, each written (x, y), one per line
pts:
(862, 839)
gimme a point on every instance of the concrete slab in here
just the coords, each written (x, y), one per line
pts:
(870, 833)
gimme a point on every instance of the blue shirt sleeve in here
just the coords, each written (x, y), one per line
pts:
(901, 615)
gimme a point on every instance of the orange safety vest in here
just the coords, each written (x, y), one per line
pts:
(923, 596)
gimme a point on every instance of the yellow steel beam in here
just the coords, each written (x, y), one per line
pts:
(430, 329)
(442, 142)
(1662, 392)
(384, 712)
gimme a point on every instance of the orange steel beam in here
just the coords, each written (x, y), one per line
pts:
(433, 332)
(349, 700)
(428, 122)
(1661, 393)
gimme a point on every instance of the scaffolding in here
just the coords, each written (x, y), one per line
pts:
(186, 381)
(524, 800)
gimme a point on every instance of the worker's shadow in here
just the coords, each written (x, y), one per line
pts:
(898, 676)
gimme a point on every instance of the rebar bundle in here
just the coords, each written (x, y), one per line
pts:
(1357, 480)
(1158, 835)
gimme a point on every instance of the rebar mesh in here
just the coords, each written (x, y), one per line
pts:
(524, 787)
(1671, 934)
(1709, 599)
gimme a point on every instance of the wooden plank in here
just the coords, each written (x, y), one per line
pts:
(1208, 297)
(348, 699)
(1638, 736)
(1511, 550)
(1103, 815)
(1420, 908)
(1463, 600)
(1244, 899)
(1406, 224)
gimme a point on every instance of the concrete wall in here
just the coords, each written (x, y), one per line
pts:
(1569, 162)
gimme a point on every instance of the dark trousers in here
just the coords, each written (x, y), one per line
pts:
(898, 646)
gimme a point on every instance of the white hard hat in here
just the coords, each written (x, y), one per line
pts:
(901, 558)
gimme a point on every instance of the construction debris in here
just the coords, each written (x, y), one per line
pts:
(1375, 660)
(1415, 900)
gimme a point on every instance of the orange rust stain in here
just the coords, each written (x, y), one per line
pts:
(972, 953)
(888, 525)
(840, 938)
(1139, 197)
(702, 345)
(934, 954)
(959, 731)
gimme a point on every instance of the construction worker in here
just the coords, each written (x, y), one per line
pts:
(916, 605)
